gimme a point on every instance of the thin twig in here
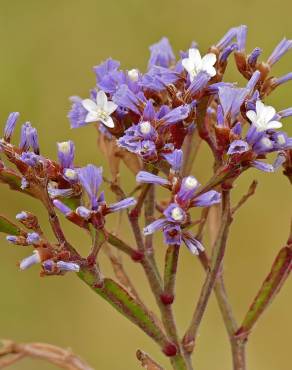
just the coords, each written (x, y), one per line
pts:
(12, 352)
(120, 272)
(245, 197)
(147, 362)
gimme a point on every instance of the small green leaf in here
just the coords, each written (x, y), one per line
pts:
(8, 227)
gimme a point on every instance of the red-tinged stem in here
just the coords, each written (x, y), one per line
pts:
(271, 286)
(215, 265)
(178, 361)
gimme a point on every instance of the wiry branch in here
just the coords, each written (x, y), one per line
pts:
(12, 352)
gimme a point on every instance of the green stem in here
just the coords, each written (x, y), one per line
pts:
(126, 304)
(278, 275)
(171, 260)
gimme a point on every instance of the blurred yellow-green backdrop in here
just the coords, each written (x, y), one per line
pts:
(48, 49)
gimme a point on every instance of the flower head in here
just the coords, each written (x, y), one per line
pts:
(195, 63)
(100, 110)
(262, 118)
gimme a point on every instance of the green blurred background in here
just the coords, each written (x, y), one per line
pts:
(48, 50)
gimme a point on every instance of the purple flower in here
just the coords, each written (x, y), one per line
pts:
(238, 147)
(30, 261)
(199, 82)
(62, 207)
(149, 178)
(24, 136)
(207, 199)
(192, 243)
(172, 234)
(227, 38)
(105, 68)
(78, 113)
(187, 189)
(66, 151)
(12, 239)
(125, 203)
(161, 54)
(21, 216)
(10, 125)
(262, 166)
(68, 266)
(140, 139)
(158, 78)
(147, 150)
(30, 158)
(175, 159)
(286, 112)
(253, 56)
(125, 98)
(174, 213)
(227, 51)
(279, 51)
(253, 81)
(83, 212)
(155, 226)
(50, 266)
(231, 99)
(241, 37)
(176, 114)
(281, 80)
(91, 179)
(33, 238)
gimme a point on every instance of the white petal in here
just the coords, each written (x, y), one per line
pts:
(195, 56)
(91, 117)
(274, 124)
(251, 115)
(188, 64)
(101, 99)
(89, 105)
(268, 113)
(260, 107)
(108, 122)
(209, 59)
(110, 107)
(211, 71)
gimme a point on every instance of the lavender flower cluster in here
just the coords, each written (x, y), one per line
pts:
(150, 115)
(155, 122)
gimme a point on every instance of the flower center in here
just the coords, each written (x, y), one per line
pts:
(266, 142)
(102, 114)
(190, 182)
(64, 147)
(177, 214)
(70, 174)
(145, 127)
(133, 74)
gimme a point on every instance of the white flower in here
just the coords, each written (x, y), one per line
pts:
(262, 117)
(100, 110)
(195, 63)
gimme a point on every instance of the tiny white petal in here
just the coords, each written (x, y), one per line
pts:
(91, 117)
(108, 122)
(209, 59)
(89, 105)
(251, 115)
(110, 107)
(101, 99)
(274, 124)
